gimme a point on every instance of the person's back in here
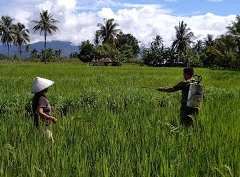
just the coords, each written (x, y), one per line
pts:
(184, 87)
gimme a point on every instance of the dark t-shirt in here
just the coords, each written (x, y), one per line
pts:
(43, 103)
(40, 100)
(184, 87)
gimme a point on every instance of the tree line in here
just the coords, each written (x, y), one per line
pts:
(223, 51)
(13, 34)
(110, 42)
(18, 35)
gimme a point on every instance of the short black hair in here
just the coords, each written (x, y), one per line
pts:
(188, 70)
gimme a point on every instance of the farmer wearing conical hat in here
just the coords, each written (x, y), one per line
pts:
(40, 105)
(191, 98)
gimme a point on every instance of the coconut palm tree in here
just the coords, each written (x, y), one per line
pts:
(183, 39)
(57, 53)
(198, 46)
(28, 48)
(234, 30)
(33, 53)
(158, 40)
(107, 32)
(45, 25)
(209, 41)
(235, 27)
(21, 36)
(7, 31)
(96, 38)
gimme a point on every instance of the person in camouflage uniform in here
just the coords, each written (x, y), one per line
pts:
(186, 113)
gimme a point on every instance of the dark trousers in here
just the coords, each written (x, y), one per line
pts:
(187, 114)
(36, 121)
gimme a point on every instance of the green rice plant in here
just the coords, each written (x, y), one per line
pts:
(113, 122)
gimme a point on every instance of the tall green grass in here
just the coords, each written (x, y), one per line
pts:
(112, 122)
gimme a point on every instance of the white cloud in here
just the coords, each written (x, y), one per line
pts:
(209, 23)
(45, 6)
(70, 4)
(146, 6)
(106, 3)
(106, 13)
(144, 21)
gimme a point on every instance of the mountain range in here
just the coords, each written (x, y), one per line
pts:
(66, 48)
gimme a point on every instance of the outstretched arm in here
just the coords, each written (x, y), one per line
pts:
(175, 88)
(161, 89)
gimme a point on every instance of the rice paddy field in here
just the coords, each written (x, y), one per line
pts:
(113, 122)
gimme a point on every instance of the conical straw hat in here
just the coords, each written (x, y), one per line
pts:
(41, 84)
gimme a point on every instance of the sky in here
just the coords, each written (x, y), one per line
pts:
(144, 19)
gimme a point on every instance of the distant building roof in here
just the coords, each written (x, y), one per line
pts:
(104, 60)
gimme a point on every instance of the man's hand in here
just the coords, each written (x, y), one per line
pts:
(54, 120)
(161, 89)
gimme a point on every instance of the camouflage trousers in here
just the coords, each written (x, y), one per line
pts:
(187, 115)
